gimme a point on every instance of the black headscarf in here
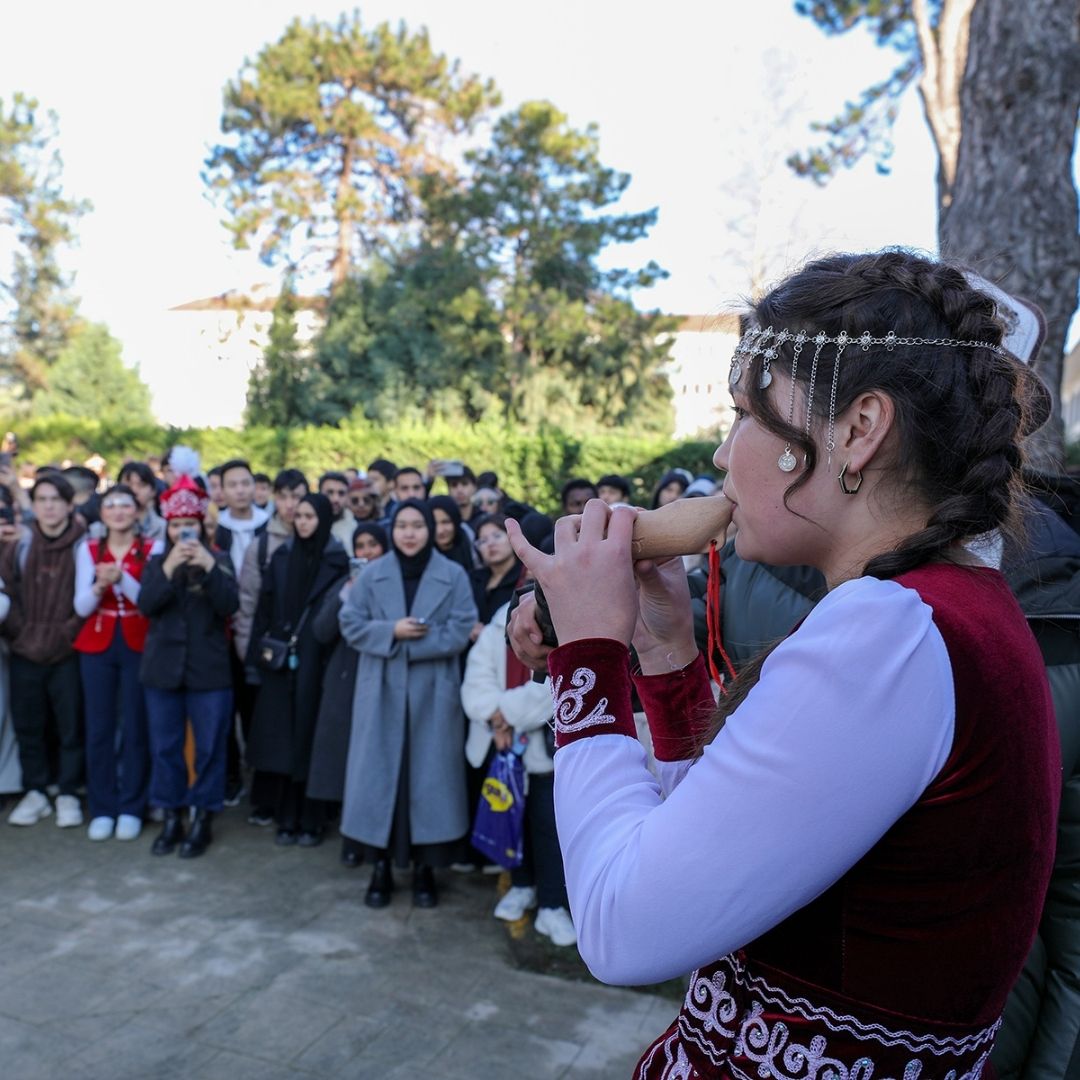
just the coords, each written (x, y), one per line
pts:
(304, 558)
(372, 529)
(413, 566)
(460, 550)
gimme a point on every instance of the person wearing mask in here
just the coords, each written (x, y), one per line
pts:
(672, 486)
(108, 571)
(300, 574)
(290, 486)
(380, 477)
(507, 710)
(613, 489)
(264, 491)
(575, 494)
(330, 747)
(451, 538)
(409, 617)
(335, 487)
(188, 594)
(139, 477)
(41, 627)
(487, 500)
(494, 582)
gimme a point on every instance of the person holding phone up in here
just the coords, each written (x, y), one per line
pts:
(188, 594)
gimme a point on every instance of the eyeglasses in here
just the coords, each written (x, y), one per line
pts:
(111, 504)
(485, 502)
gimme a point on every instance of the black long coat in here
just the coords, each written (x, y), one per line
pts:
(288, 703)
(330, 751)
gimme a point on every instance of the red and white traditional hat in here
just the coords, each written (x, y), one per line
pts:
(185, 499)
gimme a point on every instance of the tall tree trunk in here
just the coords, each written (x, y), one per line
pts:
(339, 267)
(1013, 207)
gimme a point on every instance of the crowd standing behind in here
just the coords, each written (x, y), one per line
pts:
(335, 652)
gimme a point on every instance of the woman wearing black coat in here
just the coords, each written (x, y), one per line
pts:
(330, 749)
(188, 595)
(301, 572)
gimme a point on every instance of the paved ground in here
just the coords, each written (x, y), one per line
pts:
(262, 962)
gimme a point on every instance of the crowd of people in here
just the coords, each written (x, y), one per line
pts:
(330, 653)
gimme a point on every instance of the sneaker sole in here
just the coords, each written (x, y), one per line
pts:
(25, 823)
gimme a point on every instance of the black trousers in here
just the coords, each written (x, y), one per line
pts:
(542, 865)
(244, 695)
(40, 692)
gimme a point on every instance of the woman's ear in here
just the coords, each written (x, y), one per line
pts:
(862, 428)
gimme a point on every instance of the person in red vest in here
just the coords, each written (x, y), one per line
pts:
(108, 572)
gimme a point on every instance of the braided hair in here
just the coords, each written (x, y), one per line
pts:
(960, 412)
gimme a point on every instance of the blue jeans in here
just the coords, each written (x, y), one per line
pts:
(211, 714)
(115, 781)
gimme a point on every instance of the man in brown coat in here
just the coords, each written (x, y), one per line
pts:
(39, 572)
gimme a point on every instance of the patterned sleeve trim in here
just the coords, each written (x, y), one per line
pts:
(590, 690)
(678, 706)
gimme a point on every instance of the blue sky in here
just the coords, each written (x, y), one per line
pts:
(690, 98)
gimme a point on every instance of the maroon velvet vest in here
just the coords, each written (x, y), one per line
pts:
(902, 968)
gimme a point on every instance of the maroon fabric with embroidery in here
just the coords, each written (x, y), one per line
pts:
(910, 956)
(590, 689)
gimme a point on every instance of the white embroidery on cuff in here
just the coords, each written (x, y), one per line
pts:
(569, 703)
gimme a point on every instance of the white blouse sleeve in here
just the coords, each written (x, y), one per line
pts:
(86, 602)
(852, 718)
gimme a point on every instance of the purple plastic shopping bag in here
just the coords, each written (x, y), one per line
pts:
(499, 829)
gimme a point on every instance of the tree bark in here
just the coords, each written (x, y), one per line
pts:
(1013, 212)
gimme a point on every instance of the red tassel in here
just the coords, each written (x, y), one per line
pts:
(712, 621)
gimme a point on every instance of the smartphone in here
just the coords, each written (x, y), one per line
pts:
(452, 468)
(189, 532)
(419, 619)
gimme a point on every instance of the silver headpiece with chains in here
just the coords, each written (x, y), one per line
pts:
(766, 344)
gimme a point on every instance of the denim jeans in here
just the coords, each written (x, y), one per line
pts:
(115, 782)
(210, 713)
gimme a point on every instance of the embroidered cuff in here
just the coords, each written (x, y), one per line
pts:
(590, 690)
(678, 705)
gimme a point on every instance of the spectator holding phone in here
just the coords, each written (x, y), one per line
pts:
(409, 617)
(110, 644)
(188, 594)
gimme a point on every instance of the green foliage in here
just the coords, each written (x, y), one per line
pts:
(275, 385)
(329, 132)
(531, 466)
(501, 309)
(864, 126)
(89, 380)
(37, 313)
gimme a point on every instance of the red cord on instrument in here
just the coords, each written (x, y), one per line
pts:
(712, 621)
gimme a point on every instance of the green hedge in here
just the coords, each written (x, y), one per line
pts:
(531, 465)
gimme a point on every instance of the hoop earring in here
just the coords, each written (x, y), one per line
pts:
(843, 487)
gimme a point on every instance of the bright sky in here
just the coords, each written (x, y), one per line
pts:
(691, 99)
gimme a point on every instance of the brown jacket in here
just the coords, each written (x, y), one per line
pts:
(39, 574)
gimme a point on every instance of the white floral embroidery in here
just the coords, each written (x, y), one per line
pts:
(569, 703)
(730, 1015)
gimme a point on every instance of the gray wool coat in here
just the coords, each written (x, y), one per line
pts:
(419, 679)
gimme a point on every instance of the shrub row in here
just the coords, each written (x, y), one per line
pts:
(531, 464)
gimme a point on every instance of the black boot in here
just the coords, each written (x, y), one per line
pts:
(199, 838)
(172, 833)
(352, 854)
(382, 885)
(423, 888)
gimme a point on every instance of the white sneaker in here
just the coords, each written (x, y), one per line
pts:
(68, 812)
(515, 903)
(31, 808)
(101, 828)
(555, 923)
(128, 827)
